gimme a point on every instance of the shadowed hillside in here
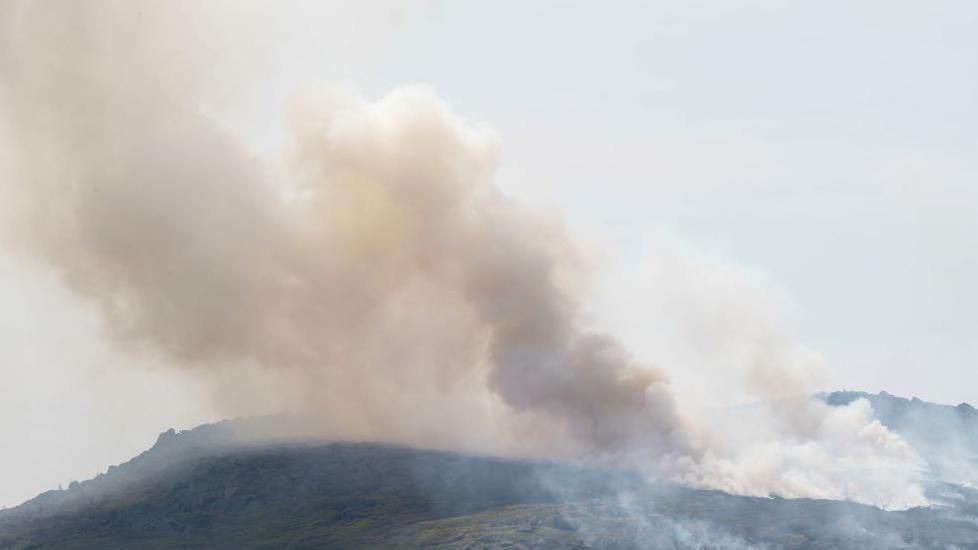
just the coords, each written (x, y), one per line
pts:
(213, 487)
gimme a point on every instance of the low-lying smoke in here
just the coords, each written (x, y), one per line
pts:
(384, 285)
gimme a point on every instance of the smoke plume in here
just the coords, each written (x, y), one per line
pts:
(381, 282)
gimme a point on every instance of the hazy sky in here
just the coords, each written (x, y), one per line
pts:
(827, 149)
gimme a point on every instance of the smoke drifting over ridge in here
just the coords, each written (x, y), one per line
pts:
(385, 285)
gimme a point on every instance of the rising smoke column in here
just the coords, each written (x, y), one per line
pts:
(385, 283)
(147, 208)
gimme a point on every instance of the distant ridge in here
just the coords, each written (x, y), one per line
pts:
(944, 435)
(891, 408)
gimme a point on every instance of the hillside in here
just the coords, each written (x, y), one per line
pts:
(946, 436)
(213, 487)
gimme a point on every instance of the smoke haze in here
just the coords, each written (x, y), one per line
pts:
(373, 275)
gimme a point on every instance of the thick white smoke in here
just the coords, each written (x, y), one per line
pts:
(384, 285)
(721, 331)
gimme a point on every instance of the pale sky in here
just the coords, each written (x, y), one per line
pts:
(828, 148)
